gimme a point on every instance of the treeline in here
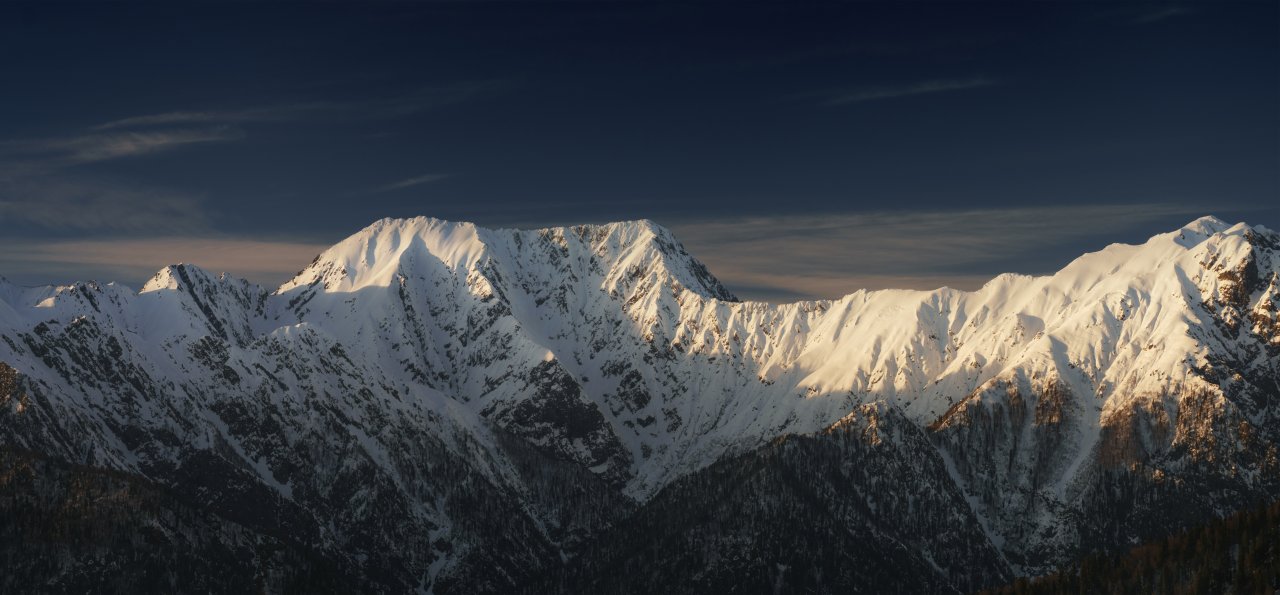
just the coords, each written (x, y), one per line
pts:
(72, 529)
(1237, 555)
(844, 512)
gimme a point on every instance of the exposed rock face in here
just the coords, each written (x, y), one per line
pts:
(435, 406)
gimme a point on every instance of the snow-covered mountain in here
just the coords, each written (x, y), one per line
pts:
(440, 407)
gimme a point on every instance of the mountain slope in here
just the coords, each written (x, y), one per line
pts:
(87, 530)
(1236, 554)
(456, 408)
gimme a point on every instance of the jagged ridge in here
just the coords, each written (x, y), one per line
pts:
(422, 362)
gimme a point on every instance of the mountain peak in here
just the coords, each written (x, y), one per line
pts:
(377, 254)
(1207, 225)
(648, 225)
(371, 256)
(173, 277)
(1204, 228)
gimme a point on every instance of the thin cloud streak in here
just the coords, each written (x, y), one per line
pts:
(268, 263)
(259, 114)
(101, 147)
(893, 92)
(27, 158)
(64, 205)
(832, 256)
(411, 182)
(1161, 14)
(421, 100)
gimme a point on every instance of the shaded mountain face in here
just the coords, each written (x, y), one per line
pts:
(431, 406)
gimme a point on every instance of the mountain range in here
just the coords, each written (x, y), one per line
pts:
(435, 407)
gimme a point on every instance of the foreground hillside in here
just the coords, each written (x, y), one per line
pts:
(433, 406)
(72, 529)
(1239, 554)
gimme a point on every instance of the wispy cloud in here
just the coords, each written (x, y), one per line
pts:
(256, 114)
(104, 146)
(419, 100)
(829, 256)
(876, 93)
(41, 188)
(411, 182)
(98, 207)
(33, 157)
(133, 261)
(1161, 13)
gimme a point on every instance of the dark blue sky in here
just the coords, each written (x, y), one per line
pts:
(131, 133)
